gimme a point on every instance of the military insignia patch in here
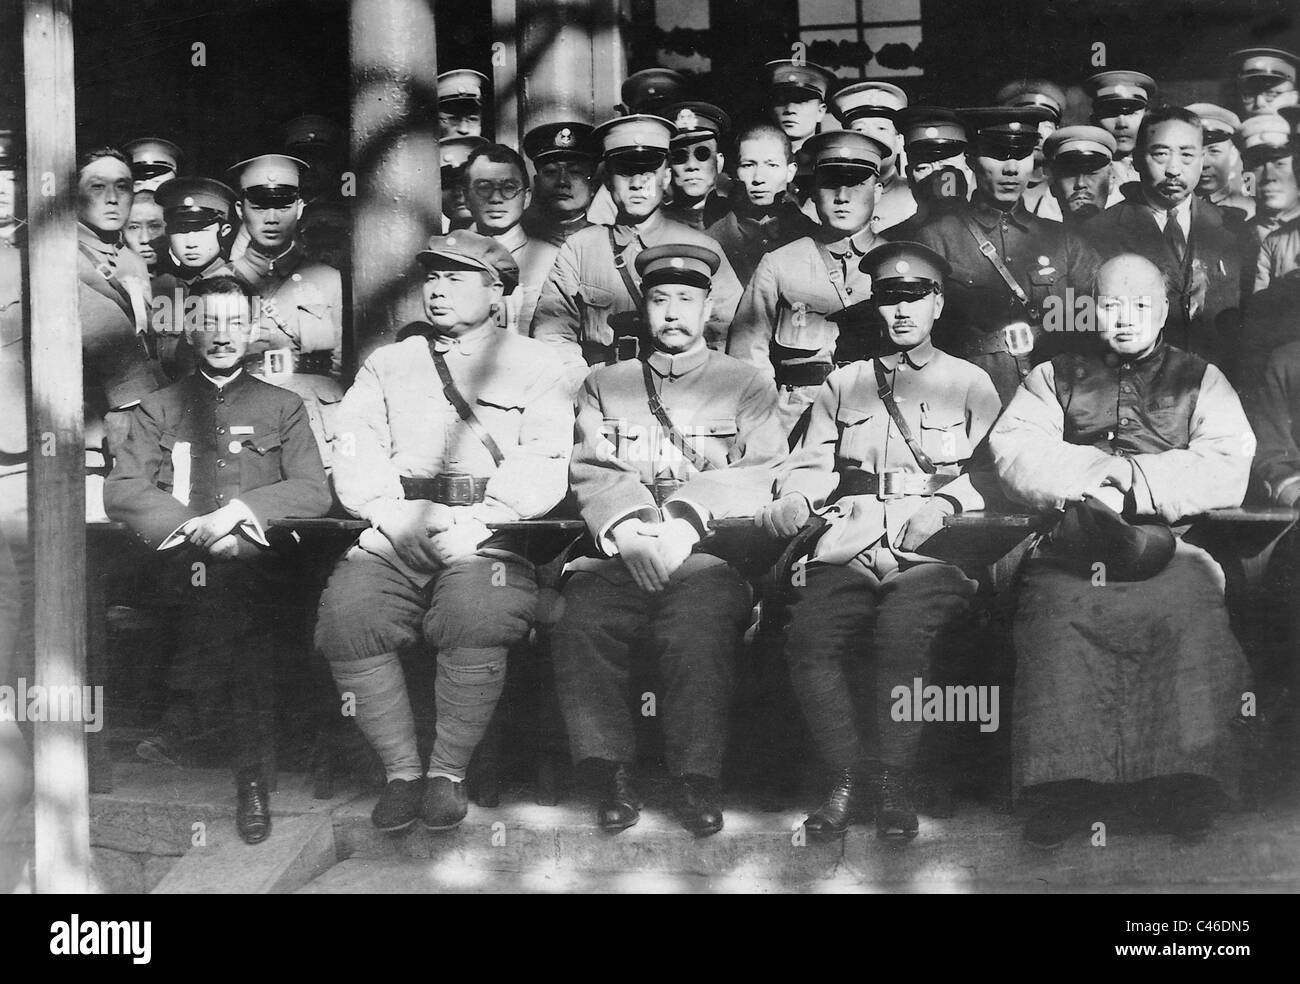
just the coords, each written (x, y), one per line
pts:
(687, 120)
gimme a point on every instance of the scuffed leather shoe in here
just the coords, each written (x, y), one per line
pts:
(846, 803)
(620, 804)
(252, 810)
(697, 805)
(398, 806)
(445, 803)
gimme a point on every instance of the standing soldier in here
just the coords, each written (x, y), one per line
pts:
(297, 337)
(934, 143)
(1266, 79)
(447, 432)
(322, 143)
(797, 104)
(764, 214)
(882, 462)
(1119, 101)
(695, 161)
(784, 324)
(460, 103)
(591, 305)
(1265, 143)
(565, 169)
(1078, 171)
(873, 108)
(1221, 173)
(665, 444)
(1038, 92)
(153, 161)
(197, 212)
(1005, 262)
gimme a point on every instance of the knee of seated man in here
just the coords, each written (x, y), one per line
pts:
(352, 625)
(487, 602)
(716, 584)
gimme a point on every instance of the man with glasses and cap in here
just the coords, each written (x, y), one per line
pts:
(884, 459)
(563, 182)
(1266, 79)
(695, 161)
(1119, 101)
(153, 161)
(460, 103)
(1221, 172)
(591, 308)
(664, 444)
(297, 339)
(1037, 92)
(934, 143)
(873, 108)
(1078, 171)
(787, 323)
(463, 425)
(1007, 266)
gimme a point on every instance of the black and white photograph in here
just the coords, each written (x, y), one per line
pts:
(651, 447)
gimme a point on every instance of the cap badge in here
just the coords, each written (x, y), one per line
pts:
(931, 132)
(902, 266)
(1043, 261)
(564, 138)
(1124, 92)
(686, 120)
(676, 263)
(189, 203)
(1015, 127)
(791, 77)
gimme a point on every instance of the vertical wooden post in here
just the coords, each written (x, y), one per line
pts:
(505, 74)
(570, 60)
(58, 466)
(395, 154)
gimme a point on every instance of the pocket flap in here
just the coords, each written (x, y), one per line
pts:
(264, 443)
(941, 419)
(852, 416)
(595, 297)
(718, 427)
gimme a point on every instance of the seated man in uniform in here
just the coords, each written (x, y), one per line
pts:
(1127, 671)
(446, 431)
(664, 445)
(883, 461)
(206, 463)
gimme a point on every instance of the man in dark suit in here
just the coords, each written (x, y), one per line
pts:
(206, 463)
(1195, 244)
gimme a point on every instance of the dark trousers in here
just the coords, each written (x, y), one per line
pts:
(852, 638)
(694, 627)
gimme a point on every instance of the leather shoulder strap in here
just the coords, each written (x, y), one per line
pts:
(620, 264)
(991, 254)
(463, 409)
(833, 271)
(661, 414)
(887, 397)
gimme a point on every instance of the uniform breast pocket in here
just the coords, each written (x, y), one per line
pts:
(629, 442)
(943, 436)
(855, 441)
(801, 324)
(316, 329)
(259, 460)
(594, 307)
(715, 438)
(502, 414)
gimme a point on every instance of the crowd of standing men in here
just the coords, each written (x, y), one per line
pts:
(831, 338)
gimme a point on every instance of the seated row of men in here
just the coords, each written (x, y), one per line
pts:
(463, 426)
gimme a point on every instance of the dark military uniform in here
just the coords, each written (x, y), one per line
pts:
(563, 141)
(746, 233)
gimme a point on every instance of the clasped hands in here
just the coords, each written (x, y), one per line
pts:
(1115, 485)
(652, 552)
(215, 531)
(429, 535)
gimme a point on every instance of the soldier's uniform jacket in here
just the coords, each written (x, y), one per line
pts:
(714, 208)
(193, 448)
(167, 313)
(1205, 299)
(949, 406)
(13, 372)
(746, 238)
(535, 258)
(538, 226)
(1279, 254)
(1275, 417)
(395, 421)
(894, 204)
(783, 319)
(1172, 413)
(118, 349)
(585, 305)
(725, 408)
(298, 311)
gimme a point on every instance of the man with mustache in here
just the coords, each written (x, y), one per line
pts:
(1078, 169)
(1119, 102)
(564, 170)
(591, 308)
(1007, 265)
(1198, 245)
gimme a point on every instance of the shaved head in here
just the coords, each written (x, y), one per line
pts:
(1132, 304)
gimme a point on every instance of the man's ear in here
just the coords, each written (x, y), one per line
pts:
(708, 306)
(239, 209)
(224, 230)
(722, 161)
(791, 170)
(297, 212)
(821, 111)
(665, 177)
(938, 305)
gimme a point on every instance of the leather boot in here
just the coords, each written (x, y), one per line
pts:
(620, 804)
(697, 805)
(847, 802)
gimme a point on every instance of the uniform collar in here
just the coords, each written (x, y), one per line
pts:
(272, 266)
(468, 343)
(1114, 359)
(221, 382)
(89, 238)
(675, 366)
(858, 244)
(514, 239)
(914, 358)
(188, 277)
(624, 234)
(989, 215)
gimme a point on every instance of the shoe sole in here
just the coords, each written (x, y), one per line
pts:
(395, 829)
(255, 840)
(441, 827)
(614, 828)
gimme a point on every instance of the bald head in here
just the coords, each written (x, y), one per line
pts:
(1132, 304)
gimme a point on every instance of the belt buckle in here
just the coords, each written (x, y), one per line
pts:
(1018, 338)
(455, 490)
(277, 362)
(890, 484)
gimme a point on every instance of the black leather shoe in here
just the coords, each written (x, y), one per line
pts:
(398, 806)
(697, 805)
(620, 805)
(445, 803)
(252, 810)
(846, 804)
(895, 815)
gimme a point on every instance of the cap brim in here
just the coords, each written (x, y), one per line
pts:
(272, 199)
(793, 92)
(652, 157)
(692, 278)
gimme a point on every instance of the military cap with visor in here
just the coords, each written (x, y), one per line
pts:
(153, 156)
(642, 138)
(1034, 92)
(862, 99)
(1263, 138)
(904, 270)
(798, 82)
(1272, 65)
(568, 138)
(931, 133)
(1217, 124)
(270, 180)
(1005, 132)
(461, 85)
(652, 88)
(1084, 149)
(677, 263)
(696, 121)
(1120, 91)
(844, 149)
(194, 203)
(466, 250)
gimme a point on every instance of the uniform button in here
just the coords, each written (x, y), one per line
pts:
(848, 290)
(220, 496)
(1124, 422)
(221, 462)
(221, 430)
(1126, 388)
(220, 398)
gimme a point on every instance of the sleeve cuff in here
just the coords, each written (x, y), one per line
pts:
(377, 511)
(1285, 492)
(692, 512)
(249, 525)
(647, 514)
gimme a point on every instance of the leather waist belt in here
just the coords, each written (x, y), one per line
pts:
(803, 373)
(7, 459)
(450, 490)
(663, 489)
(890, 484)
(1015, 340)
(286, 362)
